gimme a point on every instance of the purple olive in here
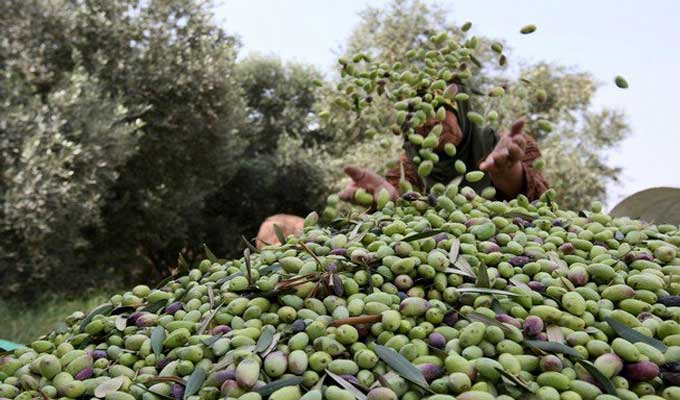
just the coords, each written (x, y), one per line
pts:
(641, 371)
(177, 391)
(339, 252)
(220, 329)
(566, 248)
(97, 354)
(172, 308)
(536, 286)
(519, 261)
(84, 373)
(431, 371)
(298, 325)
(437, 340)
(550, 363)
(533, 325)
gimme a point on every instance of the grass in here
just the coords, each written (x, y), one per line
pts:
(23, 323)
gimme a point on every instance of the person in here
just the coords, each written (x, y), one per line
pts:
(506, 157)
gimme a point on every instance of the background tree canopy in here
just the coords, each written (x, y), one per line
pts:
(129, 133)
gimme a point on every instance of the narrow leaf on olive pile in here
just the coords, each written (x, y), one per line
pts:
(478, 317)
(606, 383)
(554, 333)
(104, 309)
(182, 264)
(121, 322)
(311, 253)
(109, 386)
(634, 336)
(520, 284)
(212, 339)
(458, 272)
(486, 290)
(209, 254)
(279, 234)
(208, 320)
(228, 278)
(515, 380)
(272, 346)
(211, 297)
(464, 265)
(270, 388)
(249, 272)
(453, 252)
(252, 248)
(144, 388)
(347, 385)
(483, 276)
(154, 307)
(553, 347)
(195, 382)
(401, 365)
(157, 338)
(422, 235)
(174, 379)
(265, 339)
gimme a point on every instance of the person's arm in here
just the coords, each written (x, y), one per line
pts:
(535, 183)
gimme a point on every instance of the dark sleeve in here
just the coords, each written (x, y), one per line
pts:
(534, 181)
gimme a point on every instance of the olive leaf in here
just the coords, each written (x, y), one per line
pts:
(520, 284)
(208, 320)
(104, 309)
(553, 347)
(270, 388)
(265, 339)
(464, 265)
(422, 235)
(475, 316)
(487, 291)
(109, 386)
(606, 383)
(279, 234)
(212, 257)
(212, 339)
(195, 381)
(228, 278)
(634, 336)
(121, 322)
(458, 272)
(252, 248)
(157, 339)
(483, 276)
(347, 385)
(515, 380)
(272, 346)
(401, 365)
(249, 272)
(454, 251)
(154, 307)
(554, 334)
(144, 388)
(182, 263)
(211, 297)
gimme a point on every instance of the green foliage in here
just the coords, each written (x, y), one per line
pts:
(23, 323)
(130, 198)
(575, 149)
(59, 156)
(280, 99)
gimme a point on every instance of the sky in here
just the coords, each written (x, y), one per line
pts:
(638, 40)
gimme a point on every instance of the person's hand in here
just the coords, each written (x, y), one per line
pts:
(369, 181)
(508, 152)
(504, 164)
